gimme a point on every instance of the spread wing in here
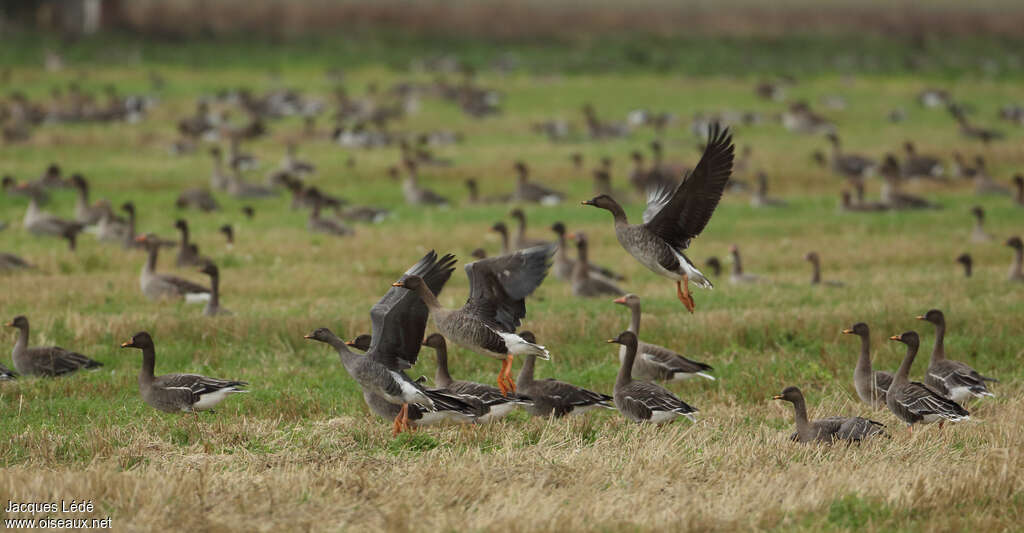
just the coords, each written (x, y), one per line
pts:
(681, 216)
(400, 317)
(498, 286)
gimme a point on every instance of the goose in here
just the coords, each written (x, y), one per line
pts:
(520, 240)
(239, 188)
(827, 430)
(131, 239)
(920, 166)
(502, 230)
(188, 253)
(563, 264)
(178, 393)
(892, 193)
(802, 119)
(738, 275)
(85, 213)
(978, 234)
(497, 404)
(46, 361)
(815, 261)
(1017, 266)
(475, 198)
(962, 169)
(849, 165)
(411, 189)
(7, 374)
(657, 363)
(983, 182)
(552, 397)
(39, 222)
(952, 379)
(638, 176)
(212, 307)
(673, 218)
(985, 135)
(577, 160)
(602, 182)
(52, 177)
(583, 284)
(914, 402)
(317, 224)
(660, 176)
(218, 178)
(760, 197)
(237, 159)
(846, 204)
(30, 190)
(156, 286)
(527, 191)
(871, 385)
(197, 198)
(293, 164)
(229, 235)
(965, 260)
(9, 261)
(363, 213)
(715, 265)
(644, 401)
(1018, 183)
(486, 324)
(112, 228)
(399, 321)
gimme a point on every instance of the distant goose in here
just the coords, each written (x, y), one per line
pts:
(520, 240)
(952, 379)
(157, 286)
(815, 261)
(7, 374)
(291, 163)
(188, 252)
(197, 198)
(47, 361)
(846, 204)
(760, 197)
(1018, 183)
(871, 385)
(10, 261)
(502, 230)
(176, 393)
(563, 264)
(38, 222)
(965, 260)
(916, 165)
(978, 234)
(486, 324)
(552, 397)
(411, 189)
(132, 240)
(30, 190)
(657, 363)
(914, 402)
(984, 184)
(827, 430)
(849, 165)
(738, 275)
(248, 211)
(1017, 266)
(85, 213)
(985, 135)
(213, 307)
(475, 198)
(239, 188)
(892, 188)
(229, 235)
(715, 265)
(645, 401)
(583, 283)
(527, 191)
(673, 218)
(318, 224)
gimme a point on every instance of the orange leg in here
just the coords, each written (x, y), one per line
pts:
(405, 418)
(509, 382)
(683, 293)
(940, 424)
(503, 379)
(397, 427)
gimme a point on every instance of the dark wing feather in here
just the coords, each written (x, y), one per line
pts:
(690, 208)
(400, 317)
(657, 398)
(857, 428)
(198, 385)
(56, 361)
(498, 286)
(184, 286)
(922, 400)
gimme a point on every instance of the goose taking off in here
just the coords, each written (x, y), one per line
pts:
(673, 218)
(486, 324)
(827, 430)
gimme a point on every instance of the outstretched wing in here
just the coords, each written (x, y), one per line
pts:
(498, 286)
(400, 317)
(684, 215)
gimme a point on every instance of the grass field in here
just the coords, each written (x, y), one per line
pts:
(301, 451)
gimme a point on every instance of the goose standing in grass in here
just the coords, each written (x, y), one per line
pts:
(239, 188)
(526, 191)
(892, 188)
(644, 401)
(10, 261)
(827, 430)
(291, 162)
(563, 265)
(583, 282)
(39, 222)
(815, 261)
(318, 224)
(760, 197)
(10, 186)
(920, 166)
(738, 275)
(497, 405)
(985, 135)
(978, 234)
(520, 240)
(1017, 266)
(229, 235)
(131, 239)
(914, 402)
(475, 198)
(157, 286)
(411, 189)
(197, 198)
(657, 363)
(502, 230)
(112, 228)
(715, 265)
(486, 324)
(967, 262)
(871, 385)
(552, 397)
(673, 218)
(7, 374)
(846, 204)
(188, 252)
(47, 361)
(849, 165)
(85, 213)
(178, 393)
(212, 307)
(953, 379)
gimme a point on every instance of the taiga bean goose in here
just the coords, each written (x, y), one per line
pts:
(486, 324)
(827, 430)
(849, 165)
(291, 163)
(30, 190)
(414, 193)
(178, 393)
(7, 374)
(496, 404)
(892, 188)
(197, 198)
(914, 402)
(475, 198)
(39, 222)
(502, 230)
(157, 286)
(965, 261)
(953, 379)
(715, 265)
(188, 252)
(656, 363)
(738, 275)
(13, 262)
(318, 224)
(846, 204)
(229, 235)
(47, 361)
(920, 166)
(520, 240)
(978, 234)
(673, 218)
(644, 401)
(815, 261)
(131, 239)
(871, 385)
(985, 135)
(527, 191)
(213, 307)
(85, 213)
(1017, 266)
(563, 265)
(760, 197)
(552, 397)
(583, 283)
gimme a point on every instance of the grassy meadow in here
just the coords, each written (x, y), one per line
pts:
(302, 452)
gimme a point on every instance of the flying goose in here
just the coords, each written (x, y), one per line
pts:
(486, 324)
(85, 213)
(760, 197)
(644, 401)
(965, 260)
(673, 218)
(520, 240)
(815, 261)
(563, 264)
(952, 379)
(656, 363)
(496, 404)
(1017, 266)
(849, 165)
(738, 275)
(45, 361)
(174, 393)
(156, 286)
(871, 385)
(978, 234)
(583, 283)
(212, 307)
(914, 402)
(552, 397)
(527, 191)
(188, 252)
(827, 430)
(7, 374)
